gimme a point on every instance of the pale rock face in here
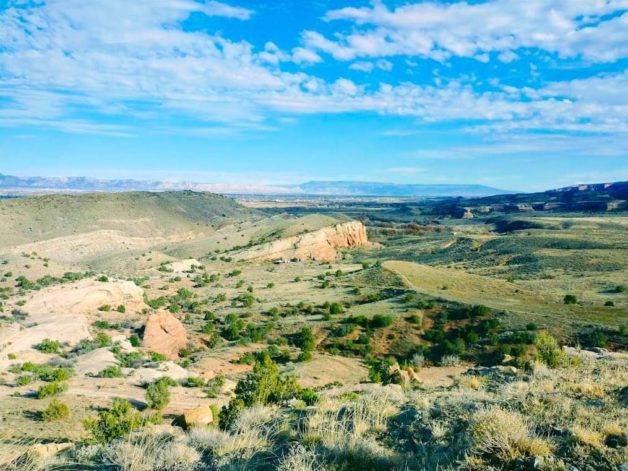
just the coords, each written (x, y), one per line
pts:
(60, 313)
(198, 416)
(142, 376)
(95, 361)
(321, 245)
(164, 334)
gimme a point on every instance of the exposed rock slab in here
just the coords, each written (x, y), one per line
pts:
(164, 334)
(321, 245)
(95, 361)
(143, 376)
(60, 313)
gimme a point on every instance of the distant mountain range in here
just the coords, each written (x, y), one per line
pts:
(396, 190)
(22, 185)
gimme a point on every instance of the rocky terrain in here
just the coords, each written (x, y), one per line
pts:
(321, 245)
(183, 331)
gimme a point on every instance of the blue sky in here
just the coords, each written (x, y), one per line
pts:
(518, 95)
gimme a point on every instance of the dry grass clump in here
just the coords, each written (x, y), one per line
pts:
(145, 452)
(251, 433)
(589, 389)
(473, 382)
(298, 459)
(505, 435)
(588, 437)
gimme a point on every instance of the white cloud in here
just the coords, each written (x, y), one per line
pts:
(592, 29)
(365, 66)
(66, 61)
(301, 55)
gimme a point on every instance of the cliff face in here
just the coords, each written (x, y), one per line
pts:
(321, 245)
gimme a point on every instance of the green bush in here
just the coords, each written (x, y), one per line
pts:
(570, 299)
(121, 309)
(309, 396)
(56, 410)
(157, 357)
(158, 394)
(263, 385)
(114, 423)
(380, 320)
(548, 350)
(336, 308)
(113, 371)
(49, 346)
(195, 382)
(480, 311)
(305, 339)
(24, 380)
(51, 389)
(135, 340)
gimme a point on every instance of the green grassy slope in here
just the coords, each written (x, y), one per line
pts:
(138, 214)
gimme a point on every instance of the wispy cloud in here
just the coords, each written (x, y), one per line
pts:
(79, 66)
(590, 29)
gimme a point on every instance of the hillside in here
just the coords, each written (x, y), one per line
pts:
(136, 214)
(586, 197)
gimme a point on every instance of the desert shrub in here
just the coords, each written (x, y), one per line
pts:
(121, 309)
(49, 346)
(135, 340)
(113, 371)
(309, 396)
(264, 385)
(305, 339)
(130, 360)
(158, 394)
(157, 357)
(51, 389)
(379, 370)
(46, 373)
(24, 380)
(214, 386)
(114, 423)
(105, 308)
(570, 299)
(194, 382)
(336, 308)
(547, 350)
(380, 320)
(304, 356)
(450, 360)
(56, 410)
(479, 311)
(596, 338)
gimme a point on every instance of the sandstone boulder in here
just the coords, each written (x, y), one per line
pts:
(164, 334)
(198, 416)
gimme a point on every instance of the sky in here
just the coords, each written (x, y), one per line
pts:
(519, 95)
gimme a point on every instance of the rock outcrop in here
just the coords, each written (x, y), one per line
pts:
(198, 416)
(321, 245)
(164, 334)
